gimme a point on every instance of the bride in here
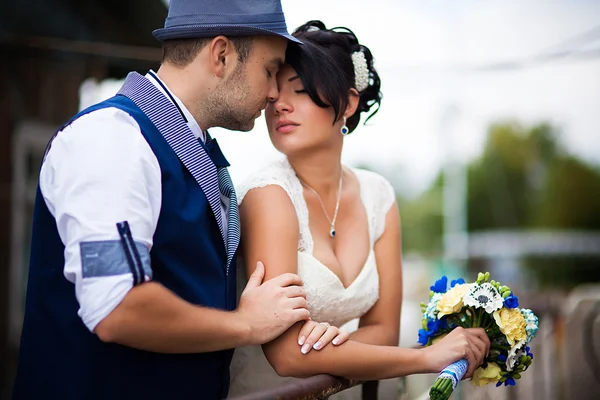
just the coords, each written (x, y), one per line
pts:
(338, 227)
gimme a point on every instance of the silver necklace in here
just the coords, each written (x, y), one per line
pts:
(337, 204)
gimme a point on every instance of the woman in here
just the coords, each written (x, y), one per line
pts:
(336, 226)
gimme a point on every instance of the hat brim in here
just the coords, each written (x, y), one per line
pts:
(204, 31)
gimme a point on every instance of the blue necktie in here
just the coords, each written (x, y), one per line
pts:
(226, 188)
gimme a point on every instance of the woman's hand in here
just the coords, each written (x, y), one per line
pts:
(317, 335)
(472, 344)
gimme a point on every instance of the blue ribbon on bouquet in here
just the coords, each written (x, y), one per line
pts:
(455, 372)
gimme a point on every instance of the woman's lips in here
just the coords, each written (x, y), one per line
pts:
(286, 125)
(286, 128)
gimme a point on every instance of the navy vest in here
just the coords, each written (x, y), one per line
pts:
(60, 359)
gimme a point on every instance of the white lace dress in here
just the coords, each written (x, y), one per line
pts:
(328, 299)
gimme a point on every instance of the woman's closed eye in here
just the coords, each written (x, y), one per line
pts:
(300, 91)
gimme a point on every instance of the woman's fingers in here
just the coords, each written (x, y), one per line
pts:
(341, 338)
(318, 331)
(331, 333)
(478, 349)
(305, 331)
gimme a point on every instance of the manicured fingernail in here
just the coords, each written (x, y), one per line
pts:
(317, 346)
(301, 340)
(335, 341)
(305, 349)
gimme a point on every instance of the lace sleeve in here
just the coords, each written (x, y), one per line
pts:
(386, 200)
(270, 175)
(379, 196)
(280, 173)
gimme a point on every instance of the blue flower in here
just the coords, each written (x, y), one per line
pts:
(423, 337)
(440, 286)
(511, 301)
(530, 354)
(510, 381)
(431, 311)
(436, 325)
(459, 281)
(532, 323)
(502, 357)
(442, 323)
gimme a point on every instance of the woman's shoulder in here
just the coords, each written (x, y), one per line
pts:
(377, 192)
(278, 173)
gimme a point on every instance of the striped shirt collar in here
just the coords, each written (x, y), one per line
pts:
(185, 113)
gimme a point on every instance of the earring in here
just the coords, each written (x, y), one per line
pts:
(345, 131)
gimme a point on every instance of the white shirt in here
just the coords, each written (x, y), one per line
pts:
(99, 171)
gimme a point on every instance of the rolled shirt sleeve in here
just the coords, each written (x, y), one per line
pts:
(98, 172)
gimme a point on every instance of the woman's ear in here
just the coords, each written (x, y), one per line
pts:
(353, 99)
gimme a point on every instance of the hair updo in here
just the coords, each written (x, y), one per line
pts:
(324, 65)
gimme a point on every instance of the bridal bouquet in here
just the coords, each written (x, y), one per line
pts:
(489, 305)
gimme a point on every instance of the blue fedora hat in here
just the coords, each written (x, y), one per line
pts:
(209, 18)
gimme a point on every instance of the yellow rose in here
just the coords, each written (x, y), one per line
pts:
(482, 377)
(452, 301)
(512, 324)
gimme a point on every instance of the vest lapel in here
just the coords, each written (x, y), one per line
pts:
(164, 115)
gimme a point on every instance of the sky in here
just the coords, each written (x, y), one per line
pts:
(438, 101)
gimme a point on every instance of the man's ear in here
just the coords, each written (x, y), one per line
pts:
(222, 56)
(353, 99)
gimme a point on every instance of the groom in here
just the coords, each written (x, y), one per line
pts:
(131, 291)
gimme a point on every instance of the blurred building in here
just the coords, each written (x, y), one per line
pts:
(48, 49)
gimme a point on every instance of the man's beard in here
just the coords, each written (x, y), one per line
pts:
(229, 107)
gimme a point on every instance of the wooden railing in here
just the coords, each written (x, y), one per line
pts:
(314, 388)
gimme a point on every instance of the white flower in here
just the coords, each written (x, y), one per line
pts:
(515, 354)
(431, 312)
(484, 296)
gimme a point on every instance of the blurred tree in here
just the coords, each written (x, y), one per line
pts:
(571, 196)
(507, 181)
(524, 179)
(422, 221)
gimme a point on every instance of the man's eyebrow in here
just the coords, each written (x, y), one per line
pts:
(293, 78)
(277, 62)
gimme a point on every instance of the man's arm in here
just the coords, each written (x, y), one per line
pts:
(100, 171)
(151, 317)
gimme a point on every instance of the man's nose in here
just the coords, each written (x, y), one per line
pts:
(273, 92)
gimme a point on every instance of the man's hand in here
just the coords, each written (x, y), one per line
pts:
(272, 307)
(472, 344)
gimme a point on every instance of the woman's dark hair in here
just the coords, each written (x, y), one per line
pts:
(324, 65)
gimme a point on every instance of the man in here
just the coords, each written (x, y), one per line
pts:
(131, 291)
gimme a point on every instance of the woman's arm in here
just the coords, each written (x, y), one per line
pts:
(270, 231)
(381, 324)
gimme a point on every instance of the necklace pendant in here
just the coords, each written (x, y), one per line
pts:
(332, 232)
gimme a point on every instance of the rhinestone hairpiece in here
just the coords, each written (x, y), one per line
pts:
(361, 71)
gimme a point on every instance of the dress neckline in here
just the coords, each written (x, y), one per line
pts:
(368, 263)
(369, 228)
